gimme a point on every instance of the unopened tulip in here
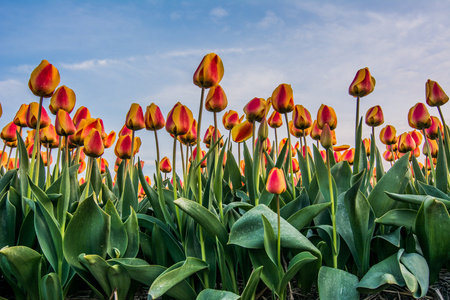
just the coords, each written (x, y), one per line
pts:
(90, 124)
(388, 135)
(435, 94)
(154, 119)
(417, 136)
(326, 115)
(433, 131)
(293, 149)
(363, 84)
(165, 166)
(419, 117)
(179, 120)
(434, 148)
(295, 131)
(210, 71)
(44, 79)
(9, 132)
(93, 144)
(64, 124)
(63, 98)
(348, 155)
(263, 130)
(135, 118)
(102, 163)
(366, 143)
(194, 157)
(21, 116)
(209, 135)
(276, 182)
(301, 117)
(315, 131)
(374, 116)
(45, 160)
(81, 168)
(326, 137)
(275, 120)
(48, 135)
(283, 98)
(109, 140)
(32, 116)
(255, 110)
(125, 131)
(190, 138)
(230, 119)
(341, 147)
(216, 100)
(242, 131)
(82, 113)
(123, 146)
(295, 165)
(387, 155)
(406, 143)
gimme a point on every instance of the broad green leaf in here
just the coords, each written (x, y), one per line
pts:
(270, 273)
(360, 157)
(170, 278)
(295, 265)
(270, 240)
(417, 199)
(132, 229)
(399, 217)
(442, 174)
(63, 202)
(304, 216)
(250, 184)
(210, 294)
(118, 238)
(233, 169)
(51, 287)
(335, 284)
(250, 288)
(42, 197)
(418, 173)
(98, 267)
(119, 281)
(416, 265)
(322, 177)
(129, 198)
(433, 191)
(139, 269)
(7, 222)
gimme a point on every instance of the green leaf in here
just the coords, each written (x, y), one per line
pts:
(418, 173)
(441, 169)
(132, 229)
(210, 294)
(335, 284)
(297, 263)
(98, 267)
(51, 287)
(417, 199)
(118, 238)
(270, 240)
(390, 182)
(129, 198)
(304, 216)
(250, 184)
(139, 269)
(63, 202)
(42, 197)
(250, 288)
(233, 169)
(170, 278)
(432, 224)
(119, 281)
(416, 265)
(322, 177)
(270, 273)
(399, 217)
(7, 222)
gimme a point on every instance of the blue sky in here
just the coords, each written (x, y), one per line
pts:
(114, 53)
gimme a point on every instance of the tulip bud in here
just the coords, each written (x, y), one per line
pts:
(63, 98)
(44, 79)
(179, 120)
(109, 140)
(434, 148)
(263, 131)
(387, 155)
(301, 117)
(275, 120)
(81, 168)
(433, 131)
(47, 135)
(295, 165)
(374, 116)
(348, 155)
(21, 116)
(135, 118)
(276, 182)
(406, 143)
(209, 134)
(165, 166)
(9, 132)
(366, 143)
(294, 131)
(93, 144)
(242, 131)
(210, 71)
(326, 137)
(363, 84)
(82, 113)
(326, 115)
(123, 147)
(283, 98)
(419, 117)
(216, 100)
(230, 119)
(435, 94)
(190, 138)
(315, 131)
(154, 119)
(202, 154)
(417, 137)
(64, 124)
(32, 116)
(255, 110)
(102, 163)
(388, 135)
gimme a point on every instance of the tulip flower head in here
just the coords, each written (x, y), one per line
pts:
(216, 100)
(434, 148)
(374, 116)
(190, 138)
(242, 131)
(326, 115)
(388, 135)
(230, 119)
(406, 143)
(82, 113)
(165, 166)
(109, 140)
(64, 124)
(301, 117)
(255, 110)
(417, 136)
(363, 84)
(179, 120)
(135, 118)
(32, 116)
(419, 117)
(276, 182)
(433, 131)
(283, 98)
(44, 79)
(93, 144)
(275, 120)
(21, 116)
(48, 135)
(326, 137)
(435, 94)
(8, 133)
(154, 119)
(315, 131)
(210, 71)
(63, 98)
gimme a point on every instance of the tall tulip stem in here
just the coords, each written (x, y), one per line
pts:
(357, 116)
(276, 144)
(306, 156)
(157, 148)
(48, 165)
(290, 156)
(333, 212)
(130, 167)
(433, 173)
(279, 232)
(36, 139)
(442, 116)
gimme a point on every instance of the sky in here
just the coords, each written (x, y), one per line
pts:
(115, 53)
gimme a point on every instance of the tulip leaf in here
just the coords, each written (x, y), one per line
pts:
(139, 269)
(433, 191)
(270, 240)
(415, 267)
(233, 169)
(250, 288)
(270, 274)
(128, 198)
(210, 294)
(51, 287)
(359, 156)
(63, 202)
(335, 284)
(170, 278)
(98, 267)
(304, 216)
(23, 165)
(250, 184)
(399, 217)
(322, 177)
(118, 238)
(42, 197)
(418, 173)
(432, 225)
(342, 175)
(296, 263)
(150, 193)
(96, 177)
(390, 182)
(302, 201)
(442, 175)
(119, 281)
(7, 222)
(132, 230)
(227, 282)
(417, 199)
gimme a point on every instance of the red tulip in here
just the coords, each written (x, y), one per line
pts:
(216, 100)
(125, 131)
(81, 168)
(194, 157)
(406, 143)
(135, 118)
(315, 131)
(295, 165)
(9, 132)
(387, 155)
(102, 163)
(435, 94)
(374, 116)
(348, 155)
(32, 116)
(209, 134)
(63, 98)
(326, 115)
(388, 135)
(21, 116)
(109, 140)
(230, 119)
(165, 166)
(366, 143)
(190, 138)
(210, 71)
(123, 146)
(82, 113)
(419, 117)
(44, 79)
(433, 131)
(242, 131)
(301, 117)
(275, 120)
(283, 98)
(154, 119)
(64, 124)
(255, 110)
(48, 135)
(417, 136)
(363, 84)
(276, 182)
(434, 148)
(326, 137)
(179, 120)
(294, 131)
(93, 144)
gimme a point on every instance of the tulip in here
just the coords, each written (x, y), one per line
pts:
(103, 163)
(275, 120)
(194, 157)
(388, 156)
(9, 132)
(125, 131)
(44, 79)
(179, 120)
(374, 116)
(293, 149)
(388, 135)
(21, 116)
(190, 138)
(209, 135)
(276, 182)
(210, 71)
(48, 135)
(417, 136)
(123, 147)
(406, 143)
(419, 117)
(294, 131)
(295, 165)
(82, 113)
(255, 110)
(64, 124)
(366, 143)
(326, 137)
(216, 100)
(435, 94)
(263, 130)
(93, 144)
(165, 166)
(433, 131)
(326, 115)
(109, 140)
(154, 119)
(434, 148)
(230, 119)
(341, 147)
(242, 131)
(301, 117)
(33, 114)
(46, 160)
(63, 98)
(135, 118)
(348, 155)
(363, 84)
(283, 98)
(315, 131)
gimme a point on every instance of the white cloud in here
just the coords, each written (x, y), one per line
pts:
(218, 13)
(90, 64)
(270, 20)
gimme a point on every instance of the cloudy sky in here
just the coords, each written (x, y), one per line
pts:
(114, 53)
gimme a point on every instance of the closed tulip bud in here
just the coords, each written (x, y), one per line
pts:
(419, 117)
(48, 135)
(374, 116)
(275, 120)
(435, 94)
(434, 148)
(417, 136)
(125, 131)
(301, 117)
(179, 120)
(216, 100)
(102, 163)
(348, 155)
(63, 98)
(190, 138)
(406, 143)
(29, 139)
(283, 98)
(93, 144)
(242, 131)
(294, 131)
(21, 116)
(276, 182)
(9, 132)
(295, 165)
(82, 113)
(255, 110)
(242, 166)
(32, 116)
(315, 131)
(326, 137)
(123, 146)
(44, 79)
(230, 119)
(433, 131)
(135, 118)
(366, 143)
(392, 147)
(109, 140)
(326, 115)
(388, 135)
(165, 166)
(363, 84)
(342, 147)
(263, 131)
(387, 155)
(210, 71)
(194, 157)
(64, 124)
(154, 119)
(209, 134)
(293, 149)
(90, 124)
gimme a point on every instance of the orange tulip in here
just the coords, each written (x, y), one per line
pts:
(283, 98)
(295, 165)
(315, 131)
(9, 132)
(21, 116)
(63, 98)
(230, 119)
(326, 115)
(419, 117)
(154, 119)
(82, 167)
(165, 166)
(275, 120)
(276, 182)
(64, 124)
(125, 131)
(366, 143)
(102, 163)
(301, 117)
(387, 155)
(255, 110)
(32, 116)
(135, 118)
(405, 143)
(92, 124)
(348, 155)
(48, 135)
(341, 147)
(44, 79)
(388, 135)
(93, 144)
(293, 149)
(432, 132)
(194, 157)
(216, 100)
(374, 116)
(109, 140)
(242, 131)
(210, 71)
(435, 94)
(363, 84)
(326, 137)
(209, 134)
(434, 148)
(190, 138)
(123, 146)
(29, 139)
(294, 131)
(417, 136)
(179, 120)
(82, 113)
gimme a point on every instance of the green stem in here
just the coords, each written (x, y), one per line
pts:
(130, 167)
(290, 156)
(66, 149)
(157, 149)
(58, 158)
(9, 157)
(442, 116)
(38, 159)
(36, 139)
(276, 144)
(433, 173)
(174, 179)
(88, 176)
(279, 233)
(357, 117)
(17, 150)
(48, 165)
(182, 163)
(333, 212)
(307, 157)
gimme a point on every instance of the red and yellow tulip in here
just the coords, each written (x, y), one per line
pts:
(44, 79)
(210, 71)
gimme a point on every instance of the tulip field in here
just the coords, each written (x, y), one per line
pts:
(232, 215)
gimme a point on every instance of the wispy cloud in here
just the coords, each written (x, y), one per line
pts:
(218, 12)
(270, 20)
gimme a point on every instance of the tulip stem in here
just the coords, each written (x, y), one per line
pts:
(58, 158)
(17, 149)
(157, 148)
(130, 167)
(174, 179)
(88, 177)
(66, 151)
(290, 157)
(36, 139)
(38, 162)
(276, 144)
(253, 137)
(77, 155)
(9, 157)
(357, 117)
(333, 211)
(279, 232)
(229, 140)
(433, 173)
(306, 157)
(48, 165)
(442, 117)
(182, 161)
